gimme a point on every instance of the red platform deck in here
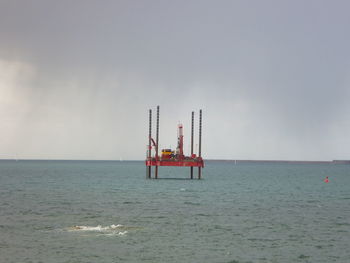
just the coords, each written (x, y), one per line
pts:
(198, 162)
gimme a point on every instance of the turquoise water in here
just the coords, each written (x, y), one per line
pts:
(82, 211)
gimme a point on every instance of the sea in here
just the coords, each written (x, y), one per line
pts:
(108, 211)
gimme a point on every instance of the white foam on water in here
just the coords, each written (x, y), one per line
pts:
(95, 228)
(112, 230)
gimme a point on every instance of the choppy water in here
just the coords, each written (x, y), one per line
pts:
(71, 211)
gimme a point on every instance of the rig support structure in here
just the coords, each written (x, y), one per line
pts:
(200, 144)
(149, 152)
(192, 135)
(173, 158)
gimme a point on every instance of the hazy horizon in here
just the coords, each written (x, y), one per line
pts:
(341, 161)
(272, 77)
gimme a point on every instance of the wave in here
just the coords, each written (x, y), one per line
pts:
(95, 228)
(104, 230)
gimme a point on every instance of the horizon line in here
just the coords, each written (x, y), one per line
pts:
(209, 159)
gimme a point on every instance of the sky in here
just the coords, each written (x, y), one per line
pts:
(77, 77)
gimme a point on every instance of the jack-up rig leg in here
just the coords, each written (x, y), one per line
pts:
(192, 132)
(157, 140)
(149, 152)
(200, 143)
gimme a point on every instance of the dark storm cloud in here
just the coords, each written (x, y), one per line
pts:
(271, 76)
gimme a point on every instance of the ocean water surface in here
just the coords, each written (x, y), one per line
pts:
(104, 211)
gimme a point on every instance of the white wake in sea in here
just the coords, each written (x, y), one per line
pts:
(111, 230)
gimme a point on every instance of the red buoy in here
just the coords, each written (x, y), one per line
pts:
(326, 180)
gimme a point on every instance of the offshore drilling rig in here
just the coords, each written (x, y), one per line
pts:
(177, 157)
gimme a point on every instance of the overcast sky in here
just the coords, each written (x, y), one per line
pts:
(77, 77)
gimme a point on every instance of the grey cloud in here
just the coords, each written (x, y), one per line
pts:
(271, 76)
